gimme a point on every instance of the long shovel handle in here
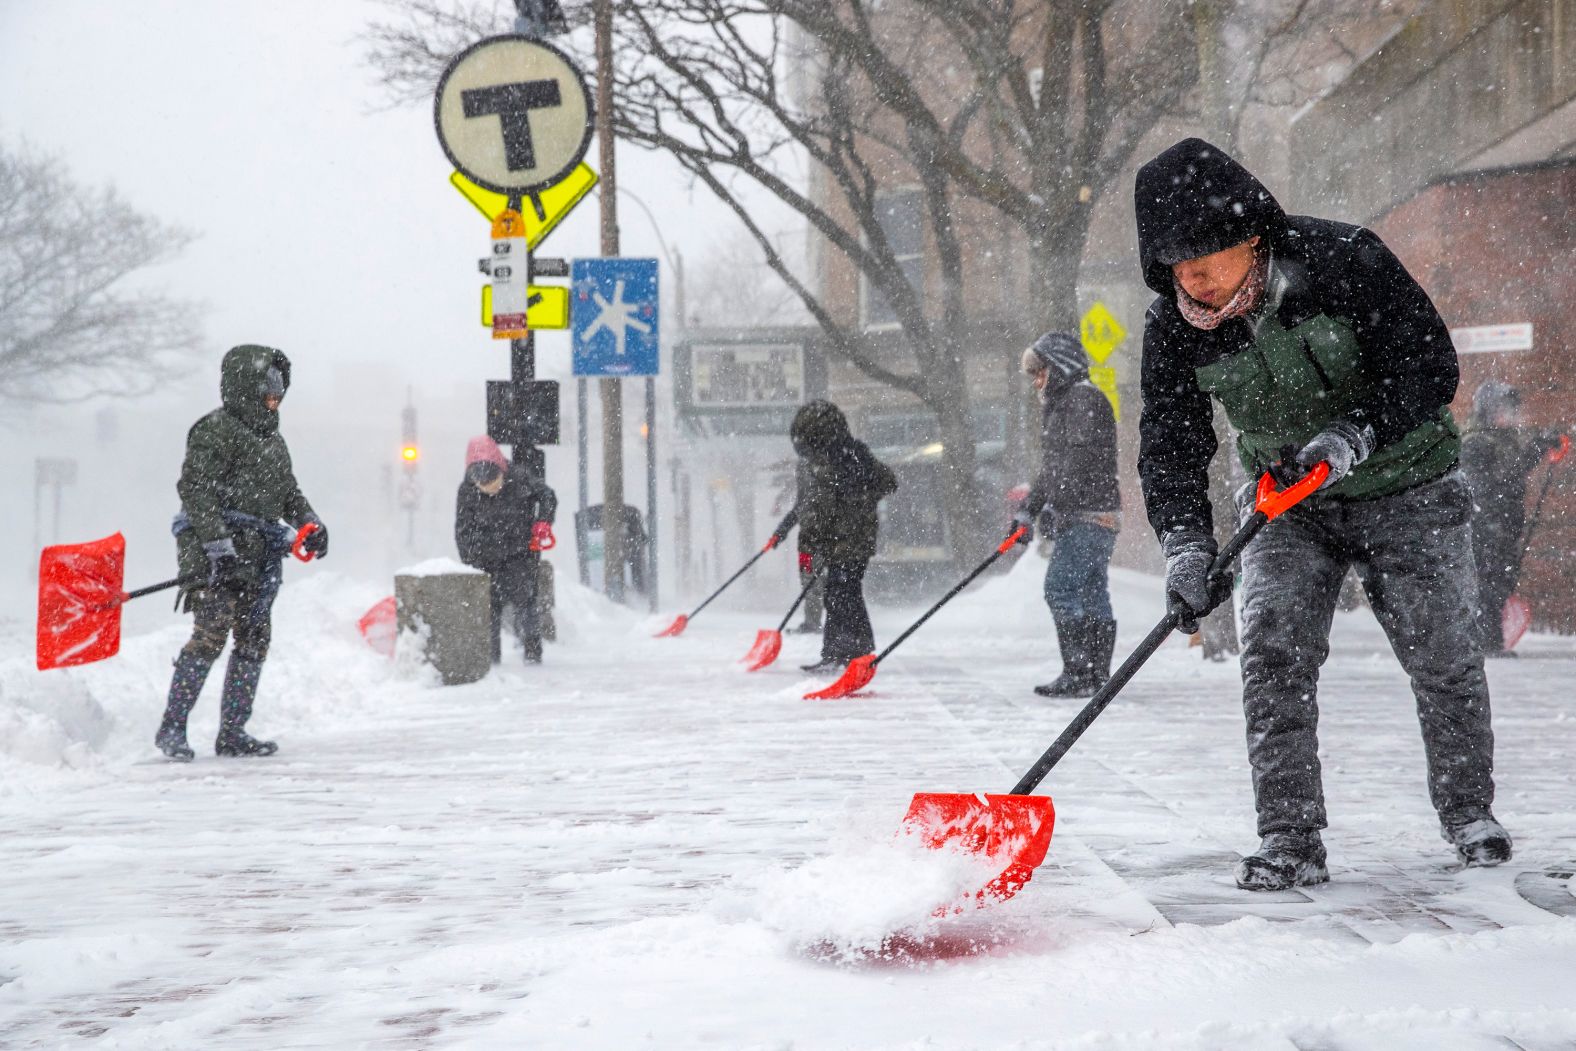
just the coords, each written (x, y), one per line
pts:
(742, 570)
(1270, 504)
(1554, 456)
(1002, 549)
(155, 588)
(803, 593)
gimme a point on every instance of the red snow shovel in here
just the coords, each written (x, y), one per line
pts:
(861, 670)
(1014, 830)
(769, 643)
(80, 596)
(682, 620)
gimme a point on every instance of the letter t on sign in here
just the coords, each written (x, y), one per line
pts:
(512, 104)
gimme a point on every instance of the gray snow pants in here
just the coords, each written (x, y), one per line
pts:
(1413, 553)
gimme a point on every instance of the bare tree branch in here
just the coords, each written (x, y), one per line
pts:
(71, 325)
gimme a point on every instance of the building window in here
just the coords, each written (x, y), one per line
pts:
(901, 215)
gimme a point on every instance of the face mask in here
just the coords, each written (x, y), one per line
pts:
(273, 383)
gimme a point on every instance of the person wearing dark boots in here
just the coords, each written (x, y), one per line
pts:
(841, 486)
(1498, 455)
(1076, 484)
(1321, 348)
(237, 484)
(503, 520)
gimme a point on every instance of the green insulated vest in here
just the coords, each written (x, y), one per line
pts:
(1292, 383)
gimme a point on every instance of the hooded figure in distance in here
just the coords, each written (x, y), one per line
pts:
(1319, 347)
(841, 484)
(1498, 455)
(236, 486)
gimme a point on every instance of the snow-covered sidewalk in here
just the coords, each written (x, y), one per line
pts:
(640, 845)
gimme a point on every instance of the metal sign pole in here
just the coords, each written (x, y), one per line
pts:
(651, 491)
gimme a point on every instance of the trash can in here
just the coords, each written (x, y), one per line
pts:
(448, 603)
(590, 542)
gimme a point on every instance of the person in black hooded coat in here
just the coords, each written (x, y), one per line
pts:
(1320, 347)
(841, 485)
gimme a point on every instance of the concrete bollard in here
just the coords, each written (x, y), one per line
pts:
(451, 602)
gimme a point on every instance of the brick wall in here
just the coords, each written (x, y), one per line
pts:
(1499, 247)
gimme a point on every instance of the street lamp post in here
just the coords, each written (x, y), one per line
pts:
(676, 264)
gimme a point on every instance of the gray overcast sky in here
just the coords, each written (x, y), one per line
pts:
(328, 228)
(328, 225)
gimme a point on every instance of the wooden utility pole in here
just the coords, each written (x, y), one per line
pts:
(611, 388)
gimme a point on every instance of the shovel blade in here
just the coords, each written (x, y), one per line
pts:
(79, 598)
(675, 629)
(768, 644)
(1514, 620)
(855, 677)
(1012, 831)
(379, 626)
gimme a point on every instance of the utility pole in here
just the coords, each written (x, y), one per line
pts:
(611, 388)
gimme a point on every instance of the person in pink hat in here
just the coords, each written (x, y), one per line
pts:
(503, 520)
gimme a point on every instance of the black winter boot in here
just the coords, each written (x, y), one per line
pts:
(1479, 839)
(1102, 644)
(1284, 860)
(185, 686)
(235, 707)
(1074, 636)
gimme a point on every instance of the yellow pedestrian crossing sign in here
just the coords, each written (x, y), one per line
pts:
(1101, 332)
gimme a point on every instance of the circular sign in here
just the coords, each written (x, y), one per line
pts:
(513, 114)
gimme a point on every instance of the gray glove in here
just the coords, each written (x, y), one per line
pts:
(1025, 521)
(223, 565)
(1189, 554)
(1342, 445)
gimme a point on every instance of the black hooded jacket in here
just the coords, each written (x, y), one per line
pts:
(841, 484)
(1077, 453)
(493, 531)
(1193, 200)
(237, 462)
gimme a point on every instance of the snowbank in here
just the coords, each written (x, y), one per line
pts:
(82, 718)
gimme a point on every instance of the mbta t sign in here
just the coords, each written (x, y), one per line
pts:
(513, 115)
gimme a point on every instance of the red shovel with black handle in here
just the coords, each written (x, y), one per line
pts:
(681, 621)
(769, 643)
(861, 670)
(80, 596)
(1014, 830)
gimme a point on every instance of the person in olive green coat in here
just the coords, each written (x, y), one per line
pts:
(841, 484)
(1319, 346)
(236, 485)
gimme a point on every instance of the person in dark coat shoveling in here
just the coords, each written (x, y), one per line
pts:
(841, 484)
(1498, 455)
(236, 485)
(503, 520)
(1319, 346)
(1077, 485)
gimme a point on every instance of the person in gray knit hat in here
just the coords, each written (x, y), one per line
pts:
(1076, 483)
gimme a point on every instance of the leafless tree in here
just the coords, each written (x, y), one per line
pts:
(712, 287)
(71, 324)
(825, 104)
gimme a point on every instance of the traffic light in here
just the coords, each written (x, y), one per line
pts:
(409, 451)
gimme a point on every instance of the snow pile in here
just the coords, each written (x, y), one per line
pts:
(79, 718)
(436, 567)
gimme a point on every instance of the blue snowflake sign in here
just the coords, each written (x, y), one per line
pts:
(614, 311)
